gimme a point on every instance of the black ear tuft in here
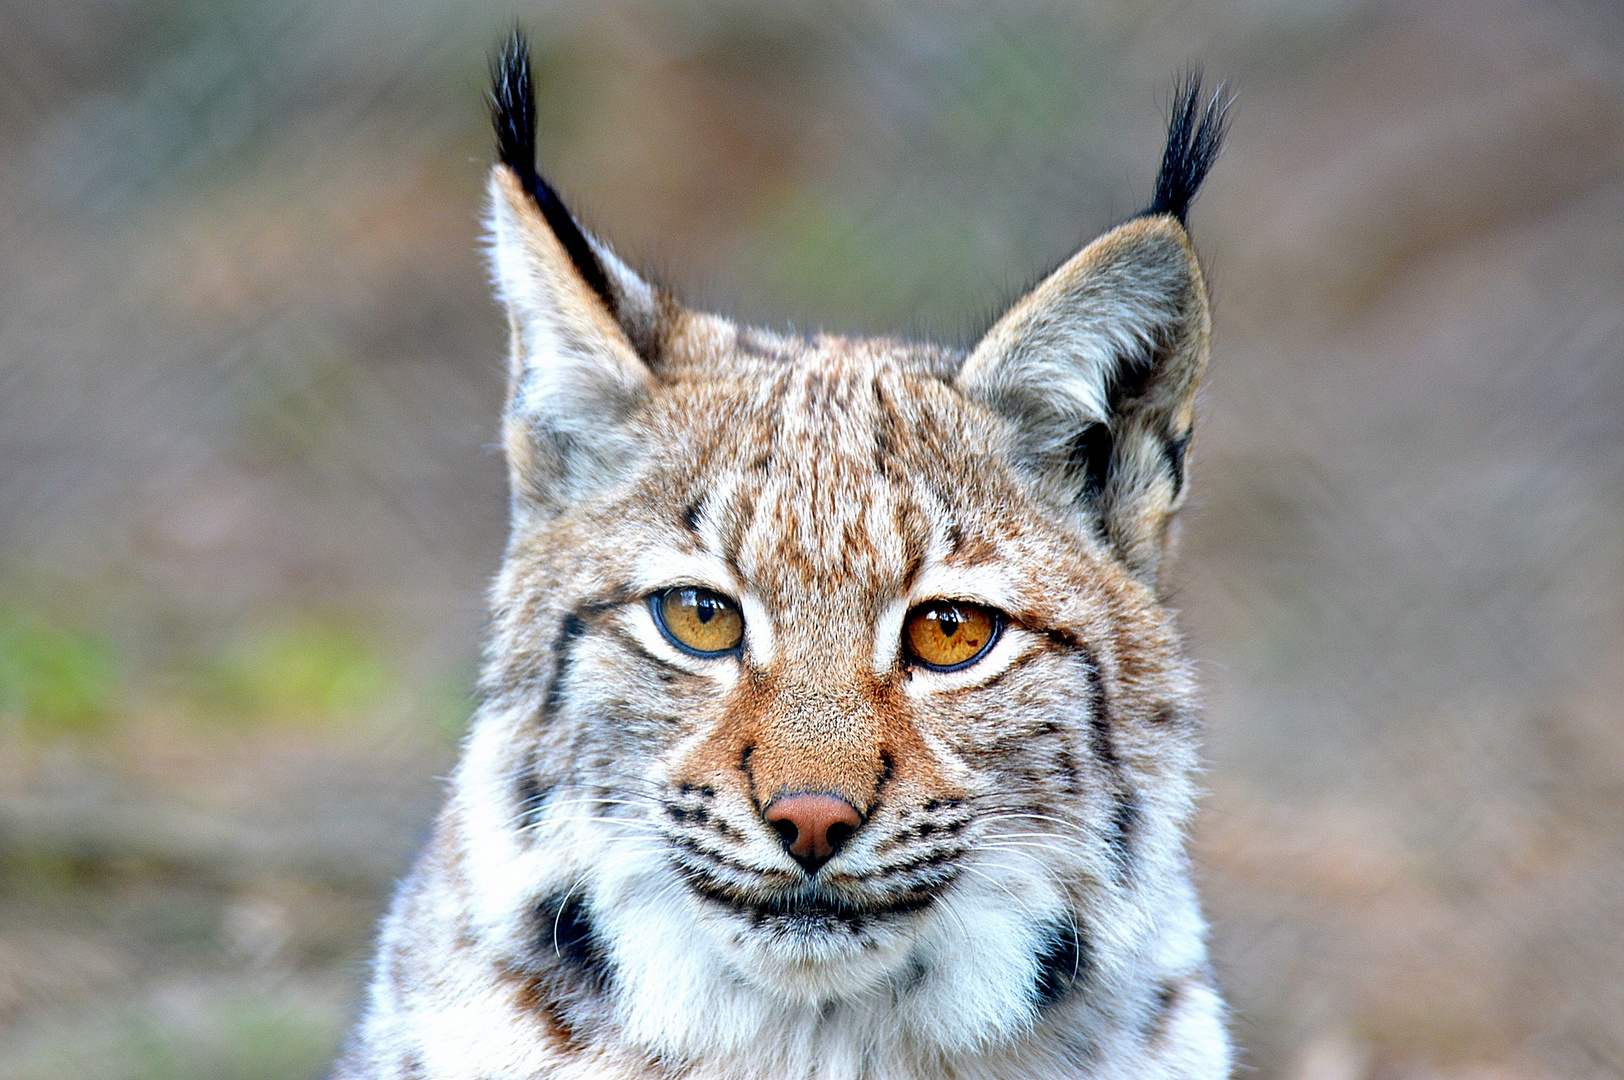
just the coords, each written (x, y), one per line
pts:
(1192, 146)
(513, 109)
(513, 114)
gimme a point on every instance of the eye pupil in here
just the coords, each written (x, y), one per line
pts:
(705, 611)
(949, 622)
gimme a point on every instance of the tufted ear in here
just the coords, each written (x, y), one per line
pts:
(1097, 367)
(584, 328)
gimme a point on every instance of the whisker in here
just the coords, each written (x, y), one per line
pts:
(1020, 902)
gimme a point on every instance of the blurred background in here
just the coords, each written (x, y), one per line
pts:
(249, 385)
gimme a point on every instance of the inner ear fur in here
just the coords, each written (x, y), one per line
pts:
(577, 376)
(1096, 369)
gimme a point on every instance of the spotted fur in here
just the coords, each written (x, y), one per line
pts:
(602, 896)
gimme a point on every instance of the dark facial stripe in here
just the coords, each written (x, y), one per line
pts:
(693, 514)
(1099, 713)
(531, 794)
(1063, 963)
(1126, 811)
(668, 672)
(911, 979)
(570, 631)
(1167, 999)
(1124, 823)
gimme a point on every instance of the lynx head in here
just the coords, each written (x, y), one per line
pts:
(829, 676)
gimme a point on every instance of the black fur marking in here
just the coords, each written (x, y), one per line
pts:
(1192, 146)
(1091, 455)
(1063, 962)
(1175, 450)
(1099, 714)
(668, 672)
(1094, 446)
(1131, 376)
(693, 514)
(1167, 998)
(572, 630)
(565, 932)
(1124, 823)
(816, 908)
(532, 793)
(513, 115)
(912, 978)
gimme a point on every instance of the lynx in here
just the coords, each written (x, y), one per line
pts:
(832, 725)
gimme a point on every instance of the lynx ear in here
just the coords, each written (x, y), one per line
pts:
(584, 327)
(1097, 367)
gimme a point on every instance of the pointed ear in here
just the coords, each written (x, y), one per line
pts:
(1097, 369)
(584, 328)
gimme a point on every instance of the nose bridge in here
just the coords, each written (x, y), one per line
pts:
(819, 734)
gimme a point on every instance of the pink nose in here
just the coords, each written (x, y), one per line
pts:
(813, 826)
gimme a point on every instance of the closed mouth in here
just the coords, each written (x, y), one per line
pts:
(812, 906)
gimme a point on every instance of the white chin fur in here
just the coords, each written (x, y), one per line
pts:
(693, 980)
(813, 967)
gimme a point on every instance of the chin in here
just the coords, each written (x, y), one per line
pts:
(817, 956)
(809, 941)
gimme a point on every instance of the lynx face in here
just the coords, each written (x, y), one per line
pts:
(830, 502)
(833, 726)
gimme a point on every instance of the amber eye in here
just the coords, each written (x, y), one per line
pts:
(698, 621)
(950, 634)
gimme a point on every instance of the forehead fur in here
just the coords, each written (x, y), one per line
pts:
(819, 463)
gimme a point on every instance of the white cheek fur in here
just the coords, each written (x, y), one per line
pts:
(760, 644)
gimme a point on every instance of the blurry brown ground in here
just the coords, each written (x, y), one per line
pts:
(249, 378)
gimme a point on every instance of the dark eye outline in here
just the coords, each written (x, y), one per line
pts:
(999, 621)
(656, 601)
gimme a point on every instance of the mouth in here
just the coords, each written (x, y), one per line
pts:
(839, 904)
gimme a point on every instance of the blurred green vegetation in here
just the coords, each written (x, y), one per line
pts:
(305, 670)
(230, 1035)
(52, 679)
